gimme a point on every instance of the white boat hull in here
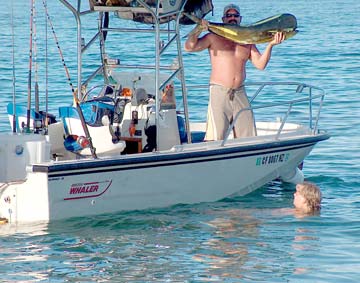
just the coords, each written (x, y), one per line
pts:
(57, 190)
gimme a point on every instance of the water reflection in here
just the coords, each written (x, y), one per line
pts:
(259, 241)
(226, 252)
(304, 245)
(22, 250)
(25, 229)
(207, 244)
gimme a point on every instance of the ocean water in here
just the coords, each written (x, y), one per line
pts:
(243, 239)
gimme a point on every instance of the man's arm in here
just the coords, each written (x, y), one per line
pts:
(261, 60)
(194, 43)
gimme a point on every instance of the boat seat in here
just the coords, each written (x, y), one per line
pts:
(101, 134)
(196, 136)
(21, 117)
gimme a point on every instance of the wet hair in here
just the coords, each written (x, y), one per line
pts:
(312, 195)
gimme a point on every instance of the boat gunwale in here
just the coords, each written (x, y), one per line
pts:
(174, 157)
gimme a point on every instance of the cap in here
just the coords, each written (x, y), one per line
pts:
(231, 7)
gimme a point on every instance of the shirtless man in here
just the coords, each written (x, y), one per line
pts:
(227, 93)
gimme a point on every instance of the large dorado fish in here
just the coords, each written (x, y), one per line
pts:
(259, 32)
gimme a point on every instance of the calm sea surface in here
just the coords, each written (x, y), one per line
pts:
(241, 239)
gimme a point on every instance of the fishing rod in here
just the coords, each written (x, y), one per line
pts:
(13, 68)
(76, 99)
(32, 3)
(36, 69)
(46, 77)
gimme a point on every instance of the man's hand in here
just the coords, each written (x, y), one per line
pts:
(199, 28)
(278, 38)
(204, 25)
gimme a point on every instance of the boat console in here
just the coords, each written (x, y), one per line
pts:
(121, 118)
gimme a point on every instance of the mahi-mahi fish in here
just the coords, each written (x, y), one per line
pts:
(259, 32)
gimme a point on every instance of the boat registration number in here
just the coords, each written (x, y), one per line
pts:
(271, 159)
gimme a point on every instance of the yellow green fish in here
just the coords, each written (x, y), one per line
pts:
(259, 32)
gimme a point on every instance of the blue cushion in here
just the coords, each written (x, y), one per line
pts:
(196, 136)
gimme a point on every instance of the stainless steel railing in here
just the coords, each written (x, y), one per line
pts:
(280, 90)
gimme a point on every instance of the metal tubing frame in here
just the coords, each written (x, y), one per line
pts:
(310, 99)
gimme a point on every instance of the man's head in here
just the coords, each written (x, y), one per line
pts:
(307, 197)
(231, 14)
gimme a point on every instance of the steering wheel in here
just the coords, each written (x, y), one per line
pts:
(90, 95)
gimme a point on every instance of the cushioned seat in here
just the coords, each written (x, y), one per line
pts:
(101, 135)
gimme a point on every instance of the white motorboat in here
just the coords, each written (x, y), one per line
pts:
(130, 143)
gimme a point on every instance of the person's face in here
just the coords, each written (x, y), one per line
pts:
(299, 200)
(232, 17)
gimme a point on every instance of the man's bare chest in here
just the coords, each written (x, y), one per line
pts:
(231, 49)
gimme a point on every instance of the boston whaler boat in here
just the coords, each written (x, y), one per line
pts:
(128, 142)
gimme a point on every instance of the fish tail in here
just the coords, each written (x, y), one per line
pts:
(196, 20)
(199, 28)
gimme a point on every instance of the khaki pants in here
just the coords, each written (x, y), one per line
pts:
(224, 104)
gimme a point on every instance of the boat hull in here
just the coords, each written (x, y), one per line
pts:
(59, 190)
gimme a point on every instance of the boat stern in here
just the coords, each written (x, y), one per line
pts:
(17, 151)
(19, 187)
